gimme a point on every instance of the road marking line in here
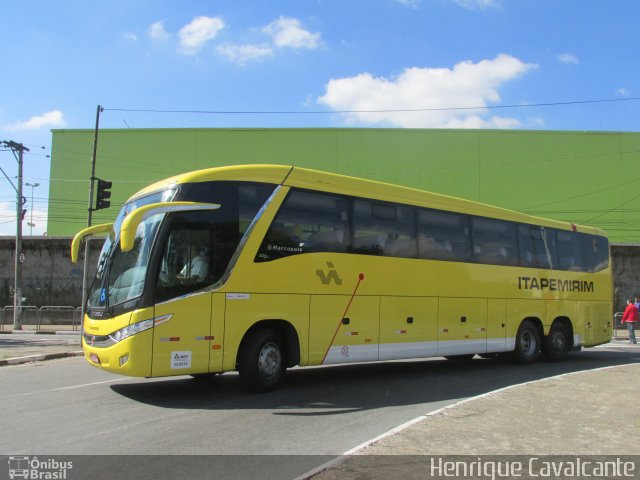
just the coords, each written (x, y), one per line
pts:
(64, 388)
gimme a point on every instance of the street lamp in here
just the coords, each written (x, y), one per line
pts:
(30, 223)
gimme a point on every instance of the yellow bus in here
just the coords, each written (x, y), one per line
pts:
(263, 267)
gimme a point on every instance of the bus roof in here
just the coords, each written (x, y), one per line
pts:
(342, 184)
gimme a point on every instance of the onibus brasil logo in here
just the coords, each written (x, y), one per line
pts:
(33, 468)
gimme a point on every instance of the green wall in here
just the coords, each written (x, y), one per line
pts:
(580, 177)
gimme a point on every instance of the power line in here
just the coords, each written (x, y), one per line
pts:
(393, 110)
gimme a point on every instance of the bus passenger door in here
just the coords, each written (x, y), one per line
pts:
(182, 336)
(462, 326)
(336, 337)
(408, 327)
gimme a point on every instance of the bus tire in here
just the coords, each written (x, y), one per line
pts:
(528, 345)
(557, 343)
(261, 361)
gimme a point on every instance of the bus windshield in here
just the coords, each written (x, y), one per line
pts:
(120, 275)
(192, 250)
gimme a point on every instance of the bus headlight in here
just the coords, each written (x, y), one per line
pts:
(126, 332)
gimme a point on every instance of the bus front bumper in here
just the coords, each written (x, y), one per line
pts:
(130, 357)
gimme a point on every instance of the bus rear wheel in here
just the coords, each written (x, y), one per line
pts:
(527, 343)
(557, 343)
(261, 362)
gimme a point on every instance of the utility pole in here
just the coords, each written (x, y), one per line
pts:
(85, 272)
(93, 164)
(18, 150)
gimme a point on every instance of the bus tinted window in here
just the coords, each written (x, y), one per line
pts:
(196, 253)
(307, 222)
(494, 242)
(320, 222)
(535, 251)
(403, 241)
(597, 248)
(383, 229)
(443, 236)
(571, 252)
(251, 197)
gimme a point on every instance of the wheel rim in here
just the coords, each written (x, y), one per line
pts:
(558, 341)
(528, 343)
(269, 360)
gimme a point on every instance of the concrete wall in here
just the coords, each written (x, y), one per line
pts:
(626, 273)
(49, 277)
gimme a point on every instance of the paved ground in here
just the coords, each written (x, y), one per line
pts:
(30, 346)
(579, 413)
(576, 414)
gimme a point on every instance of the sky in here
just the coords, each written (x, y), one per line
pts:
(497, 64)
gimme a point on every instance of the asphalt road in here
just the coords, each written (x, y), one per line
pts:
(67, 407)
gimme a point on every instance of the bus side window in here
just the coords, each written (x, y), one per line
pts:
(570, 252)
(443, 236)
(536, 248)
(383, 229)
(307, 222)
(369, 238)
(597, 248)
(403, 242)
(494, 241)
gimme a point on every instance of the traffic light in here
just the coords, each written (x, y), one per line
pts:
(103, 194)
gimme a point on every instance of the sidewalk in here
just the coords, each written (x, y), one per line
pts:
(27, 346)
(580, 413)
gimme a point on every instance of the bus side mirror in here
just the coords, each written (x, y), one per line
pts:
(137, 216)
(80, 236)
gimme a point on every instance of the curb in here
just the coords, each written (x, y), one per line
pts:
(38, 358)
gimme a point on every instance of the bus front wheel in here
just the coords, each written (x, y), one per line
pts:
(527, 343)
(261, 362)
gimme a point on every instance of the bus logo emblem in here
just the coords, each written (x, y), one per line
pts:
(19, 467)
(332, 276)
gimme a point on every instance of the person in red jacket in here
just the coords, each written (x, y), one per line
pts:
(630, 317)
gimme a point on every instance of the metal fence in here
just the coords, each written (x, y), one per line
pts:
(617, 323)
(47, 315)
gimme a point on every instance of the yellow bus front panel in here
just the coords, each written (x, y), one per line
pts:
(182, 337)
(130, 356)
